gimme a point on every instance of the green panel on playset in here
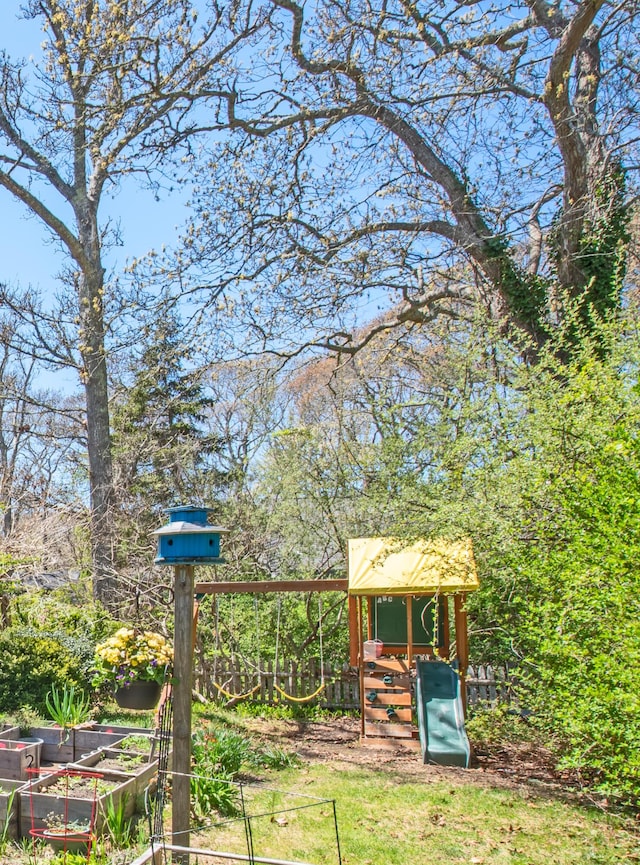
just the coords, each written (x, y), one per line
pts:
(389, 619)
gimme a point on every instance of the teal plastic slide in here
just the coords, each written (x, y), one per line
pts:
(440, 715)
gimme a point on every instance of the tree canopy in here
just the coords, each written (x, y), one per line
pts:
(396, 161)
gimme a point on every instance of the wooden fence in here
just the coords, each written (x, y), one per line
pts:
(229, 682)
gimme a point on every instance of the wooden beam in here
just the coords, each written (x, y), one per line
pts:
(355, 629)
(361, 665)
(446, 630)
(265, 586)
(462, 645)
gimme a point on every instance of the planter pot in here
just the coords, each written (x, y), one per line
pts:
(70, 841)
(139, 695)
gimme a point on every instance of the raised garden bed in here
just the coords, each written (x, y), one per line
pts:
(67, 746)
(117, 761)
(9, 807)
(119, 754)
(76, 796)
(9, 732)
(17, 758)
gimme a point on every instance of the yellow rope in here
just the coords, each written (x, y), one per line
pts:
(221, 690)
(299, 699)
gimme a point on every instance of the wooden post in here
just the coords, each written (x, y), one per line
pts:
(446, 633)
(361, 666)
(355, 628)
(462, 645)
(182, 688)
(409, 603)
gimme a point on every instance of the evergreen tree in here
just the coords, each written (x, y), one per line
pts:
(164, 453)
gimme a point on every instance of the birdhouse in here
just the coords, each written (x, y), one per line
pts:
(188, 538)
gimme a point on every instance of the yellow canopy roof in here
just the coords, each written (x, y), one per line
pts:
(391, 566)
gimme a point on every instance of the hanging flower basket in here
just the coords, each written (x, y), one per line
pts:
(136, 663)
(139, 694)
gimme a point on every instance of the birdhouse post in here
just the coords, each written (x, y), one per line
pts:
(185, 541)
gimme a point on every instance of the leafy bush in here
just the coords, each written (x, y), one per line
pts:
(83, 623)
(220, 751)
(568, 536)
(210, 794)
(32, 664)
(273, 757)
(487, 727)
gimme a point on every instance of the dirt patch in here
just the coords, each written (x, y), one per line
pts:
(515, 766)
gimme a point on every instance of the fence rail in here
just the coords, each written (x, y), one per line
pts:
(229, 681)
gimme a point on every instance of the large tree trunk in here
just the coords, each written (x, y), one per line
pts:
(100, 478)
(92, 348)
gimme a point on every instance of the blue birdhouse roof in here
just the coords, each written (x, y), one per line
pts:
(182, 527)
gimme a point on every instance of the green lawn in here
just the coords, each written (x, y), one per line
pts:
(385, 819)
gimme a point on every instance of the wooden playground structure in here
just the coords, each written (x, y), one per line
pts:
(406, 602)
(401, 580)
(400, 612)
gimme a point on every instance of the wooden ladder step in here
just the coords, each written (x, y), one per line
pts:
(373, 714)
(385, 665)
(399, 682)
(387, 698)
(390, 731)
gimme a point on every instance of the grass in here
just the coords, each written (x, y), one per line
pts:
(386, 820)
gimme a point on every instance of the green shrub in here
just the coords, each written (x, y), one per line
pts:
(32, 664)
(273, 757)
(217, 756)
(209, 794)
(220, 751)
(82, 622)
(488, 727)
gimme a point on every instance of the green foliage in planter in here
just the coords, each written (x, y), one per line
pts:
(120, 828)
(31, 664)
(67, 707)
(4, 830)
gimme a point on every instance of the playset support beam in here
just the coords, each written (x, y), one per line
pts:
(462, 643)
(268, 586)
